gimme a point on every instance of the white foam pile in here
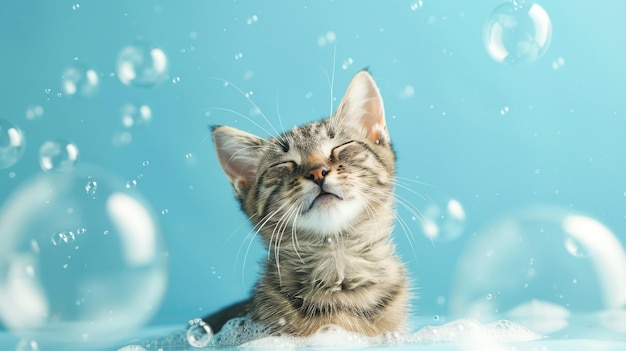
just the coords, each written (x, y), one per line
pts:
(246, 334)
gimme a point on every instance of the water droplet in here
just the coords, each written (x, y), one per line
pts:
(79, 80)
(34, 112)
(12, 144)
(199, 333)
(517, 33)
(133, 115)
(58, 156)
(62, 238)
(91, 188)
(141, 65)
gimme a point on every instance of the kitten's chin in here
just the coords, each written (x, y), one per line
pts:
(329, 215)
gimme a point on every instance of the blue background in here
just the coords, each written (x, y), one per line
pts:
(561, 142)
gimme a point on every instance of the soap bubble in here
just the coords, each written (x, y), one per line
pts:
(539, 266)
(12, 144)
(517, 32)
(79, 80)
(199, 333)
(78, 269)
(133, 115)
(58, 155)
(34, 112)
(443, 220)
(141, 65)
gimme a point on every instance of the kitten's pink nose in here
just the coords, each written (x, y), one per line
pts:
(317, 175)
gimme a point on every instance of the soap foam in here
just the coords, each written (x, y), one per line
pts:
(247, 334)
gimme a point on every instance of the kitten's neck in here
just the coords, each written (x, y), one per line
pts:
(336, 261)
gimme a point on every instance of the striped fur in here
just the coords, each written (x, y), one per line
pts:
(321, 197)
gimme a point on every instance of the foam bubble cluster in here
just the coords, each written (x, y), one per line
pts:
(245, 333)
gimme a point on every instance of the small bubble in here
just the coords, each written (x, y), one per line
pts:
(489, 297)
(58, 156)
(145, 163)
(407, 92)
(133, 115)
(436, 317)
(347, 63)
(34, 112)
(517, 33)
(141, 65)
(331, 36)
(537, 171)
(47, 90)
(131, 184)
(65, 266)
(106, 232)
(417, 5)
(75, 6)
(78, 80)
(188, 156)
(12, 144)
(91, 188)
(165, 211)
(238, 56)
(27, 345)
(199, 333)
(175, 80)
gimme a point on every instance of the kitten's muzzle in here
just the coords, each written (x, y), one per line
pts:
(317, 175)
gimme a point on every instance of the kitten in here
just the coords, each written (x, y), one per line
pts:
(321, 197)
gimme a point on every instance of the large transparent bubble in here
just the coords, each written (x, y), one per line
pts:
(517, 32)
(82, 259)
(12, 143)
(542, 267)
(141, 65)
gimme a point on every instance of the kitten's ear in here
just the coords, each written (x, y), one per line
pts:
(239, 154)
(362, 106)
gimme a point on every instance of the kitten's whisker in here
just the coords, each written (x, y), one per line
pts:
(280, 120)
(414, 181)
(409, 189)
(294, 236)
(244, 117)
(251, 103)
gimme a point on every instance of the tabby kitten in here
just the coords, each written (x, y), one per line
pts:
(320, 196)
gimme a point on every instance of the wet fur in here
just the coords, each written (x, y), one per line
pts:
(331, 259)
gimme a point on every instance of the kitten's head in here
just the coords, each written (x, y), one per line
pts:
(318, 180)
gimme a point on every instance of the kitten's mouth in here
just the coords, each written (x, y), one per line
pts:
(324, 198)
